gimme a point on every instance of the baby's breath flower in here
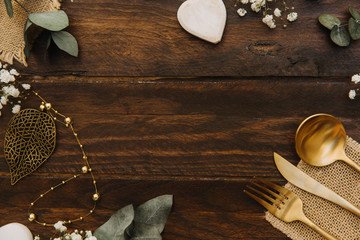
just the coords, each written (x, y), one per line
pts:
(277, 12)
(6, 77)
(59, 226)
(241, 12)
(291, 17)
(255, 7)
(3, 100)
(244, 1)
(11, 90)
(36, 238)
(355, 78)
(75, 236)
(26, 86)
(352, 94)
(16, 108)
(14, 72)
(269, 21)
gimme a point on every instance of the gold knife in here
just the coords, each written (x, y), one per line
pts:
(307, 183)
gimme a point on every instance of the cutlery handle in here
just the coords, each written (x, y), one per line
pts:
(351, 163)
(319, 230)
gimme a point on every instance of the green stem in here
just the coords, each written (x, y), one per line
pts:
(22, 6)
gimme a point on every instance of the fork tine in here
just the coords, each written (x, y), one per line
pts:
(269, 191)
(263, 194)
(267, 205)
(276, 187)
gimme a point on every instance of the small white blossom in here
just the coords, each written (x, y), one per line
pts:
(36, 238)
(355, 78)
(3, 100)
(241, 12)
(277, 12)
(26, 86)
(14, 72)
(16, 108)
(269, 21)
(88, 233)
(255, 7)
(252, 1)
(6, 77)
(291, 17)
(11, 90)
(352, 94)
(75, 236)
(244, 1)
(57, 238)
(59, 226)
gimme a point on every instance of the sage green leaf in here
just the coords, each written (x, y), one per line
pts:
(9, 8)
(354, 29)
(26, 48)
(66, 42)
(143, 231)
(340, 36)
(114, 228)
(53, 21)
(354, 13)
(28, 23)
(329, 21)
(155, 212)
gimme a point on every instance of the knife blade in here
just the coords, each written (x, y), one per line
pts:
(300, 179)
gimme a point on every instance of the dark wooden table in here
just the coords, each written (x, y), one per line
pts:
(162, 112)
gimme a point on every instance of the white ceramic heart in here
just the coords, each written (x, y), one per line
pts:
(15, 231)
(203, 18)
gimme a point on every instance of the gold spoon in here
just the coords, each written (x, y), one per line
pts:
(320, 140)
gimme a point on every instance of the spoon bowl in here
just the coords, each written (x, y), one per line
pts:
(320, 140)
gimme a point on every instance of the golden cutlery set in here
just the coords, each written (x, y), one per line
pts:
(320, 140)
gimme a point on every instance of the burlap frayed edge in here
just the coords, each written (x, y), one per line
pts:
(9, 57)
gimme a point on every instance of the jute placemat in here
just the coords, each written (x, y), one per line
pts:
(12, 29)
(342, 179)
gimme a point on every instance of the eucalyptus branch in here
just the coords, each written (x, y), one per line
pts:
(22, 6)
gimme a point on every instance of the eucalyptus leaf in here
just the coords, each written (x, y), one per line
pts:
(155, 212)
(28, 23)
(354, 13)
(329, 21)
(66, 42)
(9, 8)
(26, 48)
(354, 29)
(114, 228)
(53, 21)
(340, 36)
(143, 231)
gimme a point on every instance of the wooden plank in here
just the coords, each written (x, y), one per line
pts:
(187, 129)
(144, 38)
(202, 209)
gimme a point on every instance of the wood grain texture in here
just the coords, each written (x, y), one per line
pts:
(144, 38)
(162, 112)
(201, 140)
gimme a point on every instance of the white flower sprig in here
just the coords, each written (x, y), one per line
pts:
(63, 235)
(353, 92)
(268, 14)
(11, 90)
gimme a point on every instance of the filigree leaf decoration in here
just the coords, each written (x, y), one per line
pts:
(29, 141)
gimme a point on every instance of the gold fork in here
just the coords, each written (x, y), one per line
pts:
(285, 205)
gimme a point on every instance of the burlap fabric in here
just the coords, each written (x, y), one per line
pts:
(12, 29)
(342, 179)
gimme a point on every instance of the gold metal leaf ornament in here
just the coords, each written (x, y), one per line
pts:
(29, 141)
